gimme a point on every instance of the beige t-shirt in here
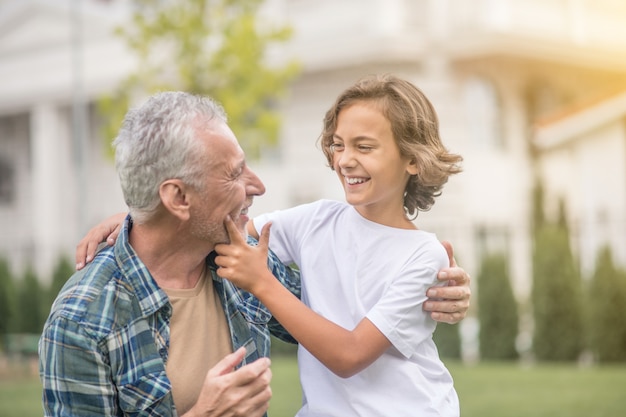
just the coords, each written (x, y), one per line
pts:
(199, 338)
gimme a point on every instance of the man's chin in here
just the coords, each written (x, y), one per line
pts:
(243, 233)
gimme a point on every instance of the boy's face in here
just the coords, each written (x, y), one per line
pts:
(369, 165)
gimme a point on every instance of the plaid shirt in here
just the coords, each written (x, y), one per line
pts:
(105, 344)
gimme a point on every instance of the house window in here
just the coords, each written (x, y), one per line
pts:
(491, 239)
(7, 182)
(483, 110)
(8, 144)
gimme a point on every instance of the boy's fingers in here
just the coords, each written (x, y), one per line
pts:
(114, 234)
(233, 233)
(264, 239)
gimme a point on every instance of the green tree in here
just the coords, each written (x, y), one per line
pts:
(31, 301)
(447, 337)
(62, 272)
(556, 294)
(7, 297)
(538, 217)
(208, 47)
(281, 348)
(607, 308)
(497, 310)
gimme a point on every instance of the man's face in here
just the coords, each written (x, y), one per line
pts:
(229, 187)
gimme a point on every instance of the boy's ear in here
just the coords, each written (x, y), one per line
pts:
(175, 198)
(412, 168)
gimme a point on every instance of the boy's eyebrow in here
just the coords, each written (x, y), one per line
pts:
(360, 139)
(356, 139)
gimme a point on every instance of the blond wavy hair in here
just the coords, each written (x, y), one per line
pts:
(415, 127)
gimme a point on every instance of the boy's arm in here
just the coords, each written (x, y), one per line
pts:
(290, 279)
(343, 351)
(105, 231)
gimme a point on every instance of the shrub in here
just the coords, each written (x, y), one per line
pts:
(30, 303)
(497, 310)
(7, 298)
(556, 297)
(280, 348)
(62, 272)
(607, 308)
(447, 337)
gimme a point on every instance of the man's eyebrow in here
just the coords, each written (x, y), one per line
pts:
(238, 168)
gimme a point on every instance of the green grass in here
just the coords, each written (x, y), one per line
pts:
(20, 397)
(286, 391)
(485, 390)
(512, 390)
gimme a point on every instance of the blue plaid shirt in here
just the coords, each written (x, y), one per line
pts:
(105, 344)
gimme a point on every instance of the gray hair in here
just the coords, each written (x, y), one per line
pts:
(157, 142)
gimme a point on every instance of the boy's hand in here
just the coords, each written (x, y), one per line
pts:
(239, 262)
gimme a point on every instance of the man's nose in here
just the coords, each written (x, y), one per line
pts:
(254, 185)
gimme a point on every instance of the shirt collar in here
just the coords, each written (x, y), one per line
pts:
(150, 296)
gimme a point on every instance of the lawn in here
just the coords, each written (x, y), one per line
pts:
(512, 390)
(485, 390)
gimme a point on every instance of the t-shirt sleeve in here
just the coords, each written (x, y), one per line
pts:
(289, 228)
(399, 314)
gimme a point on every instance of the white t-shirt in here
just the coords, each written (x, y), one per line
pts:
(354, 268)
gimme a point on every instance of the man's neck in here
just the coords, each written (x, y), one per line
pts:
(173, 262)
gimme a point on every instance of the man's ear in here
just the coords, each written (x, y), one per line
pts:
(174, 198)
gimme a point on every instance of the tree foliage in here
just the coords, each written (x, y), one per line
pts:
(62, 272)
(538, 219)
(497, 310)
(556, 294)
(209, 47)
(31, 302)
(447, 337)
(607, 308)
(7, 297)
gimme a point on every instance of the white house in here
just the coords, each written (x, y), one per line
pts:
(492, 68)
(583, 162)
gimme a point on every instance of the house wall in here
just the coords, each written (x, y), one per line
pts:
(534, 56)
(589, 175)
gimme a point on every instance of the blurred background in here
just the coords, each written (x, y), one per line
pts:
(532, 93)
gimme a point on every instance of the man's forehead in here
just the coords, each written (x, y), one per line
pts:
(225, 152)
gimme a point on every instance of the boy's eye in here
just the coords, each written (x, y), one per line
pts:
(365, 148)
(334, 147)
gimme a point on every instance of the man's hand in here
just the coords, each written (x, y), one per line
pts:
(245, 392)
(107, 231)
(449, 304)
